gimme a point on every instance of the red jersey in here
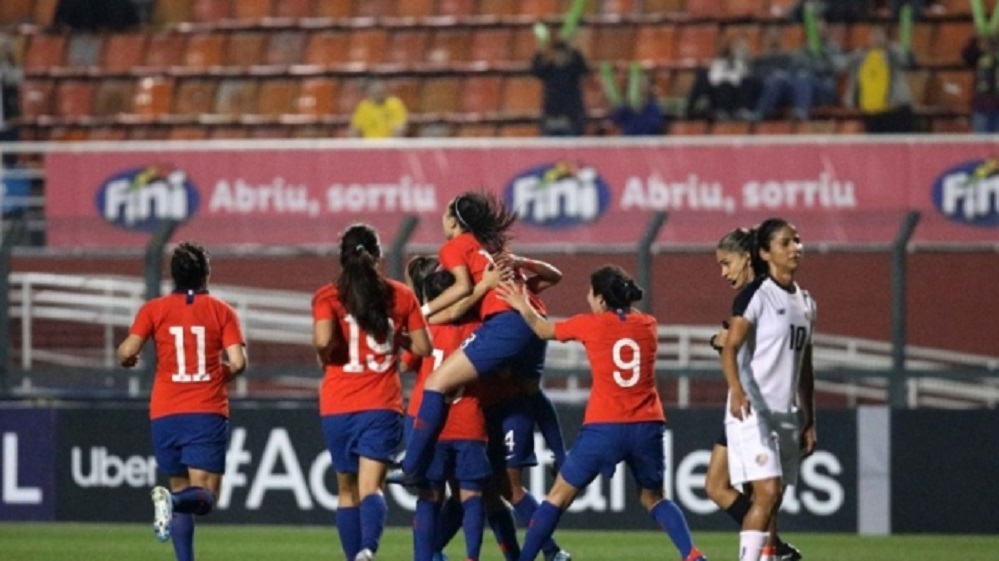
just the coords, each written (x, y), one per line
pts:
(190, 336)
(464, 418)
(622, 355)
(465, 250)
(364, 372)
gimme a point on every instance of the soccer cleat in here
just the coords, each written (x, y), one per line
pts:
(695, 555)
(162, 512)
(398, 477)
(558, 555)
(787, 552)
(365, 555)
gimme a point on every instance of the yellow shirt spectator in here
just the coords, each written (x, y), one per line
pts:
(372, 119)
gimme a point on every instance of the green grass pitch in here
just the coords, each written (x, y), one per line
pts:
(120, 542)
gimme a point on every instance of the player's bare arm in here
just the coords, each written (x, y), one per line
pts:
(738, 331)
(128, 350)
(516, 296)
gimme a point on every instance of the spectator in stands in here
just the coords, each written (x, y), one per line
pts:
(877, 86)
(810, 81)
(96, 15)
(773, 57)
(11, 76)
(647, 119)
(561, 68)
(379, 115)
(836, 10)
(982, 54)
(723, 84)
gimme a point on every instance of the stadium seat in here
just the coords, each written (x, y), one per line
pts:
(440, 95)
(680, 83)
(294, 9)
(696, 44)
(187, 132)
(858, 36)
(659, 7)
(475, 130)
(951, 89)
(408, 46)
(949, 39)
(491, 45)
(947, 124)
(252, 11)
(922, 40)
(210, 11)
(36, 98)
(521, 96)
(245, 49)
(523, 45)
(614, 43)
(16, 11)
(351, 92)
(792, 37)
(688, 128)
(113, 97)
(367, 46)
(205, 51)
(455, 8)
(518, 130)
(918, 85)
(107, 133)
(407, 90)
(326, 48)
(172, 12)
(414, 8)
(775, 127)
(374, 8)
(617, 7)
(817, 126)
(67, 134)
(337, 10)
(44, 52)
(123, 52)
(449, 46)
(147, 132)
(781, 8)
(851, 126)
(164, 50)
(276, 98)
(236, 97)
(732, 127)
(194, 97)
(751, 33)
(74, 99)
(285, 48)
(742, 9)
(537, 9)
(955, 7)
(317, 97)
(84, 51)
(497, 8)
(45, 12)
(153, 96)
(481, 94)
(655, 44)
(706, 9)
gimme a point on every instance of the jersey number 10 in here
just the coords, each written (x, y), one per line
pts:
(797, 339)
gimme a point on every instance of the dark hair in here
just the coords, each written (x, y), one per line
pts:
(765, 233)
(485, 217)
(418, 269)
(189, 267)
(363, 291)
(437, 282)
(616, 287)
(744, 240)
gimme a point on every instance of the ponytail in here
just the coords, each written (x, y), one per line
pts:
(363, 291)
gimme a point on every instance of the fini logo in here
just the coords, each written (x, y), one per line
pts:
(141, 198)
(559, 195)
(969, 193)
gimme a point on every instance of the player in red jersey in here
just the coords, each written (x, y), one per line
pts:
(189, 405)
(360, 323)
(624, 418)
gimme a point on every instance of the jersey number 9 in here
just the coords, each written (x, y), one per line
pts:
(634, 365)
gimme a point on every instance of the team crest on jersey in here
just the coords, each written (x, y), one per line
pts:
(558, 195)
(141, 198)
(968, 193)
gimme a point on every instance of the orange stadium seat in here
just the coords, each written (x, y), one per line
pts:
(113, 97)
(922, 40)
(210, 11)
(523, 45)
(440, 95)
(956, 7)
(748, 32)
(688, 128)
(67, 134)
(351, 93)
(246, 49)
(481, 94)
(407, 90)
(951, 89)
(44, 52)
(519, 130)
(172, 12)
(204, 51)
(187, 132)
(326, 48)
(851, 126)
(276, 98)
(918, 83)
(539, 8)
(781, 8)
(250, 11)
(45, 12)
(521, 95)
(107, 133)
(475, 130)
(617, 7)
(731, 127)
(236, 97)
(681, 82)
(497, 8)
(655, 44)
(414, 8)
(449, 46)
(123, 52)
(367, 46)
(614, 43)
(74, 98)
(950, 38)
(36, 98)
(792, 37)
(316, 97)
(164, 50)
(858, 36)
(951, 125)
(657, 7)
(740, 9)
(775, 127)
(152, 97)
(696, 44)
(408, 46)
(374, 8)
(491, 45)
(455, 8)
(84, 51)
(710, 9)
(337, 10)
(16, 11)
(285, 48)
(817, 126)
(295, 9)
(194, 97)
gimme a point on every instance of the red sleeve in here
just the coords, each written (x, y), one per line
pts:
(232, 333)
(143, 324)
(574, 328)
(452, 254)
(322, 307)
(414, 318)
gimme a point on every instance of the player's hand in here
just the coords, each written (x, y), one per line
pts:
(808, 441)
(494, 274)
(513, 294)
(739, 406)
(130, 361)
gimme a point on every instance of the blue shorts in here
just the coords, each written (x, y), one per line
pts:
(190, 440)
(511, 434)
(463, 460)
(600, 446)
(371, 434)
(502, 339)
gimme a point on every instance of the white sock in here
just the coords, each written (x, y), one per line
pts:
(751, 544)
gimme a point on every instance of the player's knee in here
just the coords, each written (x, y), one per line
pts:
(206, 504)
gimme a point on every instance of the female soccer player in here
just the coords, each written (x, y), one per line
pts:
(189, 404)
(767, 361)
(734, 254)
(360, 322)
(624, 419)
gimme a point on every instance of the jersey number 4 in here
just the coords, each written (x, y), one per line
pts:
(182, 375)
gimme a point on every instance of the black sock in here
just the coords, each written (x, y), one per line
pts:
(739, 508)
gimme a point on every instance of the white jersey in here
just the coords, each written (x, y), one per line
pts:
(781, 323)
